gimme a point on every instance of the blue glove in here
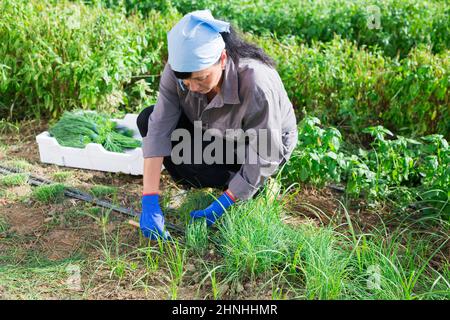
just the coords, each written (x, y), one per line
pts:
(152, 218)
(215, 210)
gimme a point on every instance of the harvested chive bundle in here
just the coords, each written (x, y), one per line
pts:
(77, 129)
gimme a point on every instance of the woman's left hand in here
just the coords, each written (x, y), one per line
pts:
(215, 210)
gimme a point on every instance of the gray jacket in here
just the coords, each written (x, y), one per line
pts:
(252, 96)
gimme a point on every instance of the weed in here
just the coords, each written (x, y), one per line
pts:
(100, 191)
(18, 164)
(3, 225)
(175, 260)
(217, 290)
(14, 179)
(111, 256)
(195, 200)
(38, 280)
(197, 237)
(9, 127)
(50, 193)
(62, 176)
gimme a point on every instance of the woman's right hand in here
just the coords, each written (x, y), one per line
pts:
(152, 218)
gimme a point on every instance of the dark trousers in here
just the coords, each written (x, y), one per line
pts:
(195, 175)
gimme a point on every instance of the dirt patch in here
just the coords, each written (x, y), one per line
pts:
(20, 191)
(25, 150)
(2, 154)
(297, 221)
(24, 219)
(327, 205)
(187, 292)
(317, 204)
(59, 244)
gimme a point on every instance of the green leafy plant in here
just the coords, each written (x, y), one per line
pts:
(102, 191)
(65, 55)
(403, 24)
(401, 169)
(340, 74)
(175, 260)
(197, 237)
(346, 85)
(62, 176)
(76, 129)
(49, 193)
(19, 164)
(317, 157)
(15, 179)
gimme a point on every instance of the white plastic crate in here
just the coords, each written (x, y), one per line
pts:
(94, 156)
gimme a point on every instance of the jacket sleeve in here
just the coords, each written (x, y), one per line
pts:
(264, 150)
(164, 118)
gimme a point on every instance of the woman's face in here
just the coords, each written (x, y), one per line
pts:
(205, 80)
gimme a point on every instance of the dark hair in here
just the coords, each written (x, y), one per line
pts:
(237, 48)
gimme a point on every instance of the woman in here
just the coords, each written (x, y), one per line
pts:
(214, 83)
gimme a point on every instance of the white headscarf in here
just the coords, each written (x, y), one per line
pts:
(195, 42)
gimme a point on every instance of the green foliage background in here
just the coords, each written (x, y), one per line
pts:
(61, 55)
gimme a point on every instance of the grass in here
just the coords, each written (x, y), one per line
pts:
(111, 254)
(62, 176)
(3, 225)
(101, 216)
(3, 148)
(138, 264)
(256, 243)
(14, 179)
(252, 238)
(18, 164)
(310, 262)
(117, 265)
(217, 290)
(175, 260)
(16, 193)
(39, 280)
(8, 127)
(197, 237)
(101, 191)
(72, 218)
(50, 193)
(13, 253)
(195, 200)
(395, 268)
(320, 263)
(151, 257)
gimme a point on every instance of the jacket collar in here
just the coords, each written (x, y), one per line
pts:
(230, 84)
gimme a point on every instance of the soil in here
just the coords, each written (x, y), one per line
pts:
(23, 219)
(60, 243)
(321, 206)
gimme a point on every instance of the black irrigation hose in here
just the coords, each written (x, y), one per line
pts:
(77, 194)
(336, 188)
